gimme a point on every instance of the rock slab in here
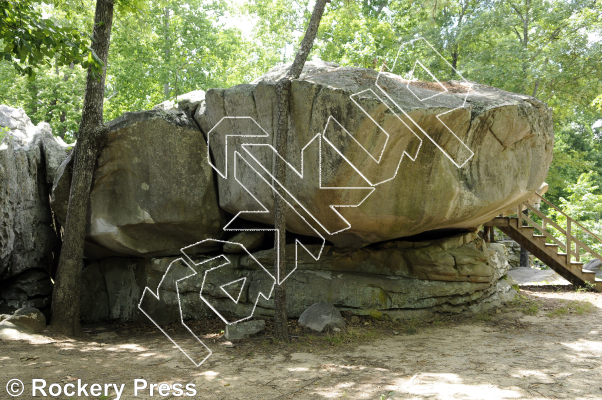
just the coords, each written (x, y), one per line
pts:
(322, 316)
(244, 329)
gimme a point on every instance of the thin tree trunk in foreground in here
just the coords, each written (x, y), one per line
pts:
(283, 90)
(91, 139)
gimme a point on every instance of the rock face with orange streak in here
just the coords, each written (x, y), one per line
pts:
(477, 151)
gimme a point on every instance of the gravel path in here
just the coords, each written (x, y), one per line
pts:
(548, 345)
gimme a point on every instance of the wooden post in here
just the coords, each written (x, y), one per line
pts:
(519, 215)
(568, 241)
(491, 234)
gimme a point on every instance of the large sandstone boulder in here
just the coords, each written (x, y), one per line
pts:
(445, 187)
(29, 244)
(153, 190)
(398, 278)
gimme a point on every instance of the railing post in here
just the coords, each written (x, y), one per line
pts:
(568, 240)
(519, 216)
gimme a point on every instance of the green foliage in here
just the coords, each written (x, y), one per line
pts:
(577, 150)
(162, 49)
(355, 34)
(173, 48)
(598, 102)
(55, 96)
(526, 305)
(584, 206)
(573, 307)
(27, 40)
(484, 316)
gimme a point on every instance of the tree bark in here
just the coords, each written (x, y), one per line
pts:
(454, 62)
(91, 138)
(456, 46)
(283, 90)
(380, 8)
(167, 43)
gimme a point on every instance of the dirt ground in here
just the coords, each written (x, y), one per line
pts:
(546, 345)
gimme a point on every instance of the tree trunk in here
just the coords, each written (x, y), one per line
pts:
(524, 39)
(166, 84)
(283, 90)
(90, 140)
(454, 62)
(380, 8)
(456, 46)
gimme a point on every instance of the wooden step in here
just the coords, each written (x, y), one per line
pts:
(575, 268)
(588, 276)
(540, 238)
(551, 249)
(572, 270)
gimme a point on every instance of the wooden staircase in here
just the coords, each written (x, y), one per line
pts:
(536, 239)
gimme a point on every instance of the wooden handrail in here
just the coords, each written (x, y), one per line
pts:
(545, 219)
(570, 239)
(568, 217)
(546, 233)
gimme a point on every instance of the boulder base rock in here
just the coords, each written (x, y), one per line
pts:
(510, 135)
(152, 191)
(514, 250)
(401, 279)
(322, 316)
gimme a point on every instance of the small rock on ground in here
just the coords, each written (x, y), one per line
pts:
(322, 316)
(242, 330)
(28, 319)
